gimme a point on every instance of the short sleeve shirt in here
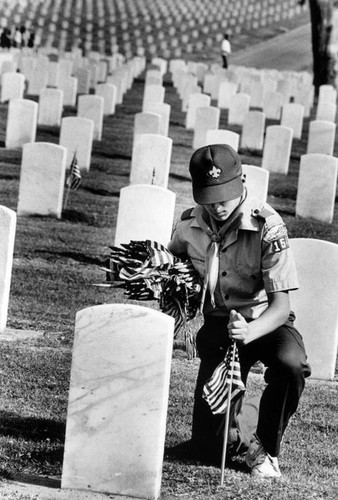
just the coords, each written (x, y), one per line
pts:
(254, 258)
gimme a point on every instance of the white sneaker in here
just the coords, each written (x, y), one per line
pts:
(262, 464)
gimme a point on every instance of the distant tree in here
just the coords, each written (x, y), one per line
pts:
(321, 13)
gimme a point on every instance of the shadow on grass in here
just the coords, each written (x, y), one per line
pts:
(187, 453)
(31, 428)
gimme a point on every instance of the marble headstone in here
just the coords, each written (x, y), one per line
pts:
(197, 100)
(317, 184)
(256, 180)
(277, 149)
(145, 212)
(163, 109)
(12, 86)
(50, 107)
(292, 117)
(222, 136)
(76, 134)
(69, 85)
(150, 162)
(207, 118)
(146, 123)
(91, 107)
(118, 400)
(109, 92)
(238, 108)
(21, 122)
(42, 179)
(315, 302)
(253, 128)
(7, 237)
(226, 92)
(321, 137)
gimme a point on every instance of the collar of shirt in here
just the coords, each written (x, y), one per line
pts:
(242, 215)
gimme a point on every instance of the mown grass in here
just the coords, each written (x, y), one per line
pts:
(55, 265)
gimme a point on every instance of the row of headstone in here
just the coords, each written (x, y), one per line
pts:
(167, 40)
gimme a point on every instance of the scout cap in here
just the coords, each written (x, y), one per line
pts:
(216, 172)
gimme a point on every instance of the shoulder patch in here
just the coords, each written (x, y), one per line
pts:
(187, 214)
(277, 237)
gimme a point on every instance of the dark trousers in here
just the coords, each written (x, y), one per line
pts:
(225, 61)
(283, 354)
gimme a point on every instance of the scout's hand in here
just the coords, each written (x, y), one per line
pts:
(237, 327)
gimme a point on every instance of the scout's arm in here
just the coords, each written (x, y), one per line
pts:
(274, 316)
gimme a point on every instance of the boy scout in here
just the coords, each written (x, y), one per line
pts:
(239, 246)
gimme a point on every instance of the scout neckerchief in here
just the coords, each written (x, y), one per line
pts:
(216, 235)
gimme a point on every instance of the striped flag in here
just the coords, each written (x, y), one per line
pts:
(74, 178)
(227, 373)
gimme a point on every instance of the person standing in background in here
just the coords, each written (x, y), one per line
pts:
(225, 50)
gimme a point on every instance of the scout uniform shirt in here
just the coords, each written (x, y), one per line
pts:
(253, 254)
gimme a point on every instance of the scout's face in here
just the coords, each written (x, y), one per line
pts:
(222, 210)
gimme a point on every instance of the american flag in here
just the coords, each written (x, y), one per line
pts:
(149, 271)
(227, 374)
(74, 178)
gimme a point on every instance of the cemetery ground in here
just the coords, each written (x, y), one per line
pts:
(56, 264)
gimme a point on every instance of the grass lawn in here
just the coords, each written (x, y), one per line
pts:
(55, 265)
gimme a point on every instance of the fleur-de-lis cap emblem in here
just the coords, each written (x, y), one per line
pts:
(215, 172)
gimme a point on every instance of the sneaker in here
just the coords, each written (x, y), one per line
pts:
(262, 464)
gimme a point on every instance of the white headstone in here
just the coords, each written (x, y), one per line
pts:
(21, 122)
(315, 303)
(256, 180)
(147, 123)
(195, 101)
(42, 179)
(253, 128)
(327, 93)
(152, 93)
(38, 80)
(12, 86)
(69, 85)
(221, 136)
(7, 237)
(163, 109)
(118, 400)
(91, 107)
(326, 111)
(53, 74)
(272, 107)
(207, 118)
(277, 149)
(117, 80)
(238, 108)
(226, 92)
(257, 92)
(321, 137)
(317, 183)
(76, 135)
(50, 107)
(109, 93)
(145, 212)
(83, 80)
(292, 117)
(150, 162)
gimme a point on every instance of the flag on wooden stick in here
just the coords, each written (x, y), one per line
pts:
(226, 377)
(74, 178)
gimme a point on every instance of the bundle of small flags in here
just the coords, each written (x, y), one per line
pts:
(149, 271)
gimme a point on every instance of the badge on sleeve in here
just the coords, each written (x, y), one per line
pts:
(278, 237)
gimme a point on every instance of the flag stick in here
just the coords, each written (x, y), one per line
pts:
(66, 198)
(227, 417)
